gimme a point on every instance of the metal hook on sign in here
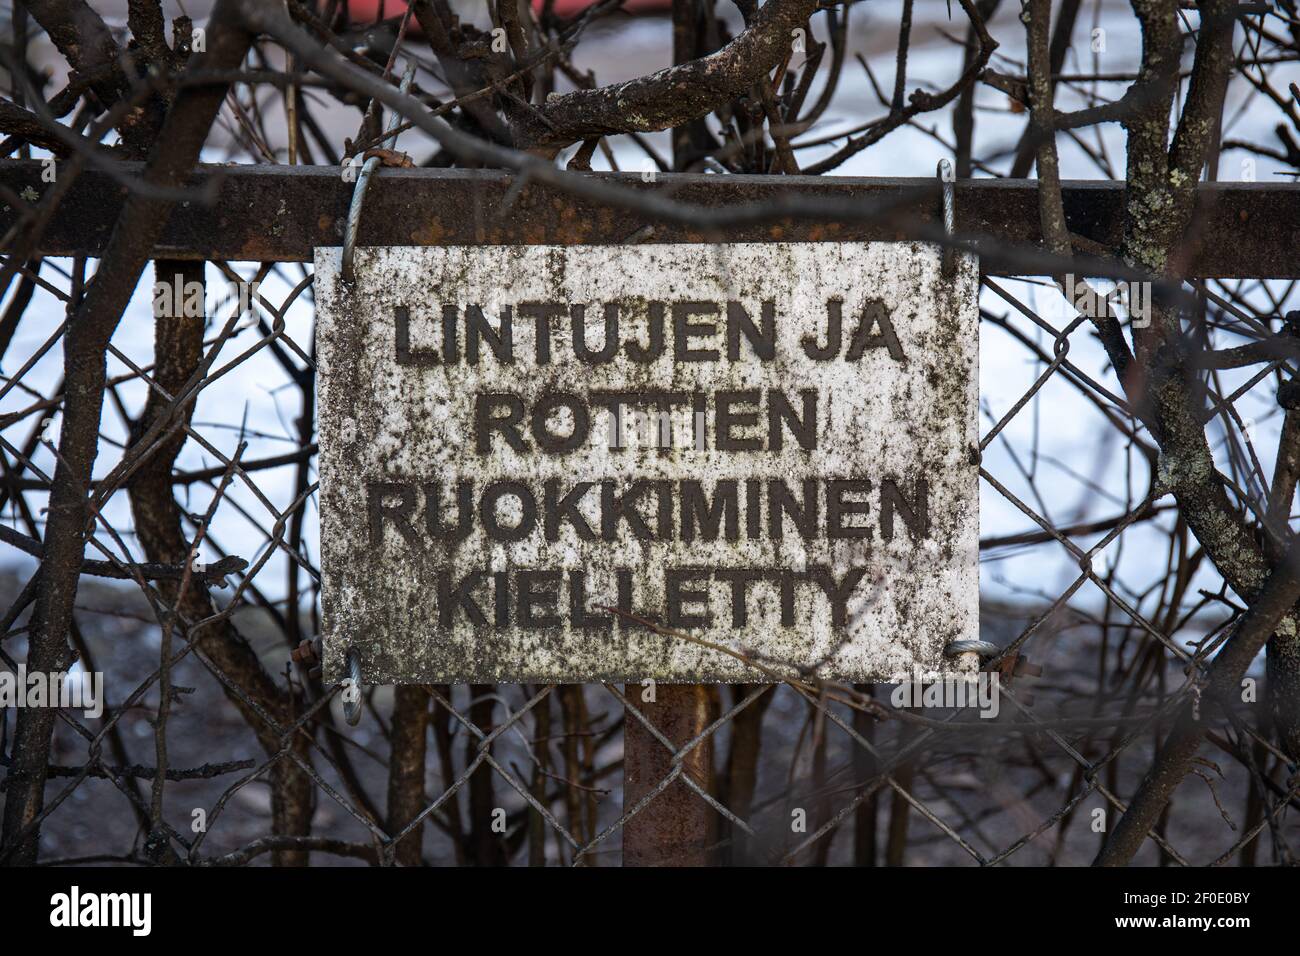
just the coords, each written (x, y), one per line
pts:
(947, 178)
(363, 180)
(977, 651)
(352, 690)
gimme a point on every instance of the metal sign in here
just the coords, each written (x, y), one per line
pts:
(580, 463)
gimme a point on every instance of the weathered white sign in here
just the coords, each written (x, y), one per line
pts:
(528, 454)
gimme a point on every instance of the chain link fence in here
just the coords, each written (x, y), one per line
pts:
(214, 748)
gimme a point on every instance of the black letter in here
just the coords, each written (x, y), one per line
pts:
(478, 330)
(548, 596)
(487, 506)
(464, 511)
(549, 441)
(838, 594)
(542, 313)
(485, 424)
(873, 314)
(916, 516)
(834, 323)
(676, 596)
(724, 419)
(738, 320)
(780, 501)
(402, 319)
(578, 615)
(399, 514)
(740, 579)
(559, 509)
(696, 509)
(584, 354)
(683, 329)
(449, 598)
(643, 356)
(779, 407)
(837, 509)
(450, 345)
(613, 507)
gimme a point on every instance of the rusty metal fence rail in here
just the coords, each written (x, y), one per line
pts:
(796, 771)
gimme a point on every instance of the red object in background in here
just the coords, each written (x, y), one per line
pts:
(367, 11)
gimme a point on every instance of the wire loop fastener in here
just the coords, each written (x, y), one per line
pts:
(982, 648)
(363, 180)
(947, 178)
(352, 694)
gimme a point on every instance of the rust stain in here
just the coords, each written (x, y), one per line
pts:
(430, 234)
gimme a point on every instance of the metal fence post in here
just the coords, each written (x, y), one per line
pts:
(676, 828)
